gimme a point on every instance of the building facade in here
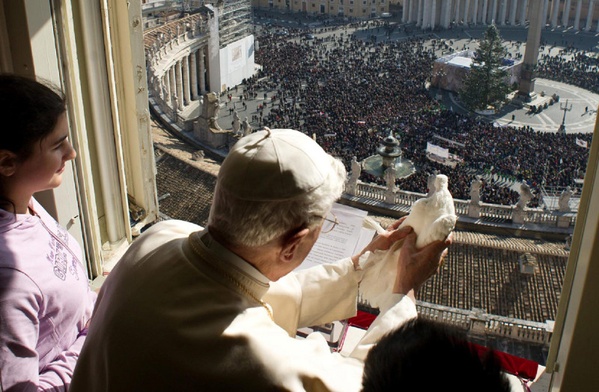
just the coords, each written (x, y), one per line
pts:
(429, 14)
(343, 8)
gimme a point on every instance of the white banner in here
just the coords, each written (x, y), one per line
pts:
(436, 150)
(582, 143)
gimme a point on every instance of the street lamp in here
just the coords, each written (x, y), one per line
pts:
(565, 108)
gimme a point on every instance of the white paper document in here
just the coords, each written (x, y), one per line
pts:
(347, 238)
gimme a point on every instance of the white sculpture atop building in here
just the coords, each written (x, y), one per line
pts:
(356, 170)
(564, 200)
(475, 188)
(525, 196)
(210, 107)
(236, 125)
(518, 215)
(246, 128)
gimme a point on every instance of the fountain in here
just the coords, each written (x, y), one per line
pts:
(388, 154)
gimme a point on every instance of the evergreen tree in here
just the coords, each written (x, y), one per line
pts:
(486, 84)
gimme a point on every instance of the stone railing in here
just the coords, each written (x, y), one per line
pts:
(482, 212)
(461, 206)
(493, 211)
(173, 115)
(450, 316)
(159, 5)
(476, 322)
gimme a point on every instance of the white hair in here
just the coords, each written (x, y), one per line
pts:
(255, 223)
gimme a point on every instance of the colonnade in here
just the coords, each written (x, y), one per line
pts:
(177, 63)
(429, 14)
(185, 80)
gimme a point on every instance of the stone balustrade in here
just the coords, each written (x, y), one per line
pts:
(370, 194)
(478, 323)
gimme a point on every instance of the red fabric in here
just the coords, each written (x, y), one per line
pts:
(521, 367)
(511, 364)
(362, 320)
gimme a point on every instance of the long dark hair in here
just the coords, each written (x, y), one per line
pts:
(29, 110)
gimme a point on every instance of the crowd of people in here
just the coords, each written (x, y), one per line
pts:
(351, 93)
(578, 68)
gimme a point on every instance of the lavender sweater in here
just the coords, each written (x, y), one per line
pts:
(45, 302)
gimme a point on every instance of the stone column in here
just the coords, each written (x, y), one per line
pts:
(485, 10)
(185, 79)
(554, 12)
(202, 71)
(457, 11)
(412, 8)
(405, 17)
(433, 14)
(194, 75)
(173, 84)
(419, 15)
(494, 12)
(566, 15)
(545, 12)
(577, 17)
(427, 13)
(446, 13)
(523, 14)
(475, 12)
(589, 16)
(166, 87)
(513, 9)
(502, 12)
(161, 87)
(179, 77)
(531, 55)
(467, 11)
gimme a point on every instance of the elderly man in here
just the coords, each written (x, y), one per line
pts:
(188, 309)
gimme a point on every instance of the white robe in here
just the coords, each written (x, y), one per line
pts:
(168, 318)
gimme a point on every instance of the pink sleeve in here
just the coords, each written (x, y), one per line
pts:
(58, 374)
(19, 331)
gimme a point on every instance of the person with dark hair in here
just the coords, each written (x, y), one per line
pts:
(45, 299)
(423, 355)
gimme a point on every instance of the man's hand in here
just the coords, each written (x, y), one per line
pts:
(415, 266)
(383, 241)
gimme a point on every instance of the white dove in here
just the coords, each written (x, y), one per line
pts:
(433, 218)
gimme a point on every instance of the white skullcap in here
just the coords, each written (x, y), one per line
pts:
(274, 165)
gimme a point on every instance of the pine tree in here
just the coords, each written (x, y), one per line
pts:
(486, 84)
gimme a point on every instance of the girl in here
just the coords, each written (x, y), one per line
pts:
(45, 300)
